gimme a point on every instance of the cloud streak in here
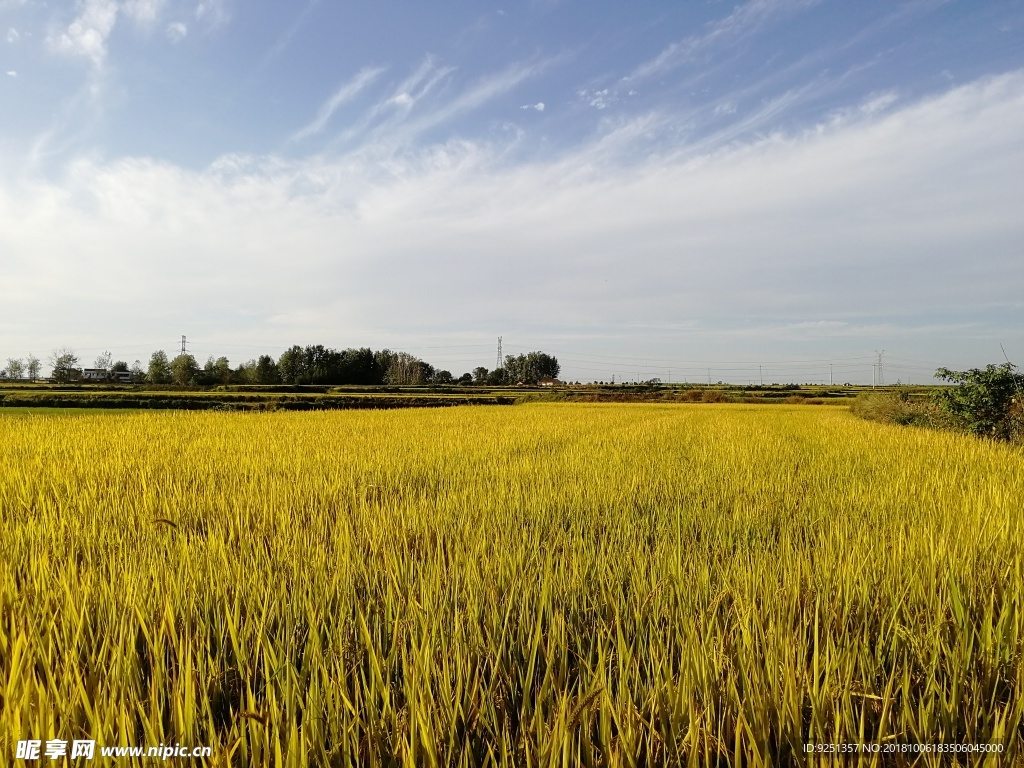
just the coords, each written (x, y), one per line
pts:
(343, 95)
(743, 22)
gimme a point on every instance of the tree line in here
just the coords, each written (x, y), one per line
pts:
(313, 364)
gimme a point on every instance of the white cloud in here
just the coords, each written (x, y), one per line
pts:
(911, 212)
(87, 34)
(600, 99)
(538, 107)
(12, 73)
(143, 12)
(212, 13)
(13, 36)
(176, 31)
(345, 93)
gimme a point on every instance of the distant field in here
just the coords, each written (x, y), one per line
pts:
(280, 397)
(15, 411)
(201, 400)
(545, 584)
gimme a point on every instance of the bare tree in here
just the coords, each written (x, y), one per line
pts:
(32, 366)
(405, 369)
(64, 362)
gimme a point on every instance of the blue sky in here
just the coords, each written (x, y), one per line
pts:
(644, 189)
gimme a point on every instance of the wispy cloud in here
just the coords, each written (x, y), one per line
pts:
(13, 35)
(285, 40)
(212, 13)
(143, 12)
(428, 99)
(176, 31)
(599, 99)
(72, 122)
(12, 73)
(392, 110)
(419, 84)
(345, 93)
(538, 107)
(743, 21)
(879, 102)
(87, 35)
(480, 92)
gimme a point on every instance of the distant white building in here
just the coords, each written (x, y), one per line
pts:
(550, 383)
(95, 374)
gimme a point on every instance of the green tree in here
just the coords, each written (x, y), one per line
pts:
(531, 367)
(222, 371)
(184, 370)
(983, 401)
(159, 371)
(245, 373)
(265, 370)
(64, 363)
(15, 368)
(499, 377)
(480, 375)
(292, 366)
(382, 362)
(360, 366)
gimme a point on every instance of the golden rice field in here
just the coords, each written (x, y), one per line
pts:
(538, 585)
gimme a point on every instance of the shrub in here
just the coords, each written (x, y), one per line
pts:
(986, 403)
(713, 396)
(896, 407)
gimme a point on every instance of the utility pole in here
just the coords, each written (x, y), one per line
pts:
(499, 364)
(760, 375)
(709, 377)
(830, 374)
